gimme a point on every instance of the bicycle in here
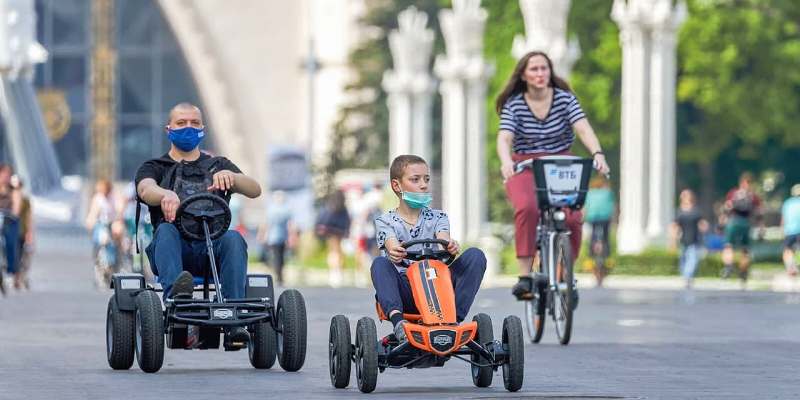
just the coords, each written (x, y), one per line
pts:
(562, 184)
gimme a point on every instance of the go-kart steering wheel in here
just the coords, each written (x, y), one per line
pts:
(428, 253)
(200, 207)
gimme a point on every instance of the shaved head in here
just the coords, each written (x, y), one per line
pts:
(185, 114)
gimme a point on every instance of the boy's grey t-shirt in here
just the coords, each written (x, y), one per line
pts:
(429, 223)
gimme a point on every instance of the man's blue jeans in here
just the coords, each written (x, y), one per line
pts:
(170, 254)
(393, 291)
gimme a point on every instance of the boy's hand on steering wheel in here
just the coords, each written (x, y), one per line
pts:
(397, 254)
(223, 181)
(453, 248)
(169, 205)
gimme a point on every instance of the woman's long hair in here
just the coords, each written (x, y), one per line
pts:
(516, 85)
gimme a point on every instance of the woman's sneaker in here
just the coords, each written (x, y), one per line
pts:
(522, 289)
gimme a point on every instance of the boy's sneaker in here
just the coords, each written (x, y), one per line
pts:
(183, 286)
(522, 289)
(399, 332)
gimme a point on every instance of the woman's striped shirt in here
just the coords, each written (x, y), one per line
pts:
(533, 135)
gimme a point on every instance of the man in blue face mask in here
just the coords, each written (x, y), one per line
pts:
(173, 258)
(414, 219)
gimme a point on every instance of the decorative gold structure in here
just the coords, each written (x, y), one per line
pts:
(104, 58)
(55, 111)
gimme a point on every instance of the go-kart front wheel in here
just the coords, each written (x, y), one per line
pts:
(263, 345)
(366, 355)
(292, 330)
(482, 376)
(339, 351)
(513, 368)
(119, 336)
(149, 331)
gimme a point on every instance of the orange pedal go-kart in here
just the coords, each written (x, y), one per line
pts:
(433, 335)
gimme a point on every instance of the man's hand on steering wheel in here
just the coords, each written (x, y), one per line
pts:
(169, 205)
(223, 181)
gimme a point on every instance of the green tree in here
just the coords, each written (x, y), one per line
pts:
(361, 132)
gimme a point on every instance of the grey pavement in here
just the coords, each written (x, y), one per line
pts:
(627, 343)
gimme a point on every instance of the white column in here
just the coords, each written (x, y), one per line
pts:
(665, 23)
(464, 74)
(546, 30)
(410, 86)
(633, 151)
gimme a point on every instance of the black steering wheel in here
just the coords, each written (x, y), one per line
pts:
(428, 253)
(200, 207)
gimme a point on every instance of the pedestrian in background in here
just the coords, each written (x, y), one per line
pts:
(599, 210)
(10, 206)
(275, 233)
(790, 221)
(741, 205)
(25, 240)
(688, 229)
(333, 225)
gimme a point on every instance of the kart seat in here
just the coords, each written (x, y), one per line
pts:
(414, 318)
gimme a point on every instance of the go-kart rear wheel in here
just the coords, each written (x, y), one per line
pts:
(482, 376)
(513, 368)
(119, 336)
(149, 331)
(366, 355)
(263, 346)
(339, 351)
(292, 330)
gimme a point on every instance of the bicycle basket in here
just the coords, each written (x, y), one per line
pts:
(561, 181)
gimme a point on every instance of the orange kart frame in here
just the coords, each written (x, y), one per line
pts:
(434, 329)
(433, 336)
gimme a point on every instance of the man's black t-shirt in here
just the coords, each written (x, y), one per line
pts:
(157, 167)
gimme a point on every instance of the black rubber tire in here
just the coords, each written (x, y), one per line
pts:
(564, 256)
(366, 355)
(263, 346)
(536, 316)
(339, 352)
(482, 376)
(149, 331)
(120, 340)
(514, 367)
(292, 330)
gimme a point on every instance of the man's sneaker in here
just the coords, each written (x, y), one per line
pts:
(399, 332)
(522, 289)
(183, 285)
(236, 338)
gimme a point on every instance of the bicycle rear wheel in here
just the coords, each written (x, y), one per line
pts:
(563, 297)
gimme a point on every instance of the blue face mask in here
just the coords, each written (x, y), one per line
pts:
(186, 139)
(417, 200)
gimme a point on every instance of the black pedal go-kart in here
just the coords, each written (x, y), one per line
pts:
(137, 323)
(433, 336)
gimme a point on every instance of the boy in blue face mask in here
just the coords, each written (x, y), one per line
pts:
(414, 219)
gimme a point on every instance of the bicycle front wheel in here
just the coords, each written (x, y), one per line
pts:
(564, 295)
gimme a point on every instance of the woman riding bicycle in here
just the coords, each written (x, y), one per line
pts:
(104, 223)
(538, 113)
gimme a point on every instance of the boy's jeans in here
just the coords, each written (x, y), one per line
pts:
(393, 291)
(170, 254)
(688, 260)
